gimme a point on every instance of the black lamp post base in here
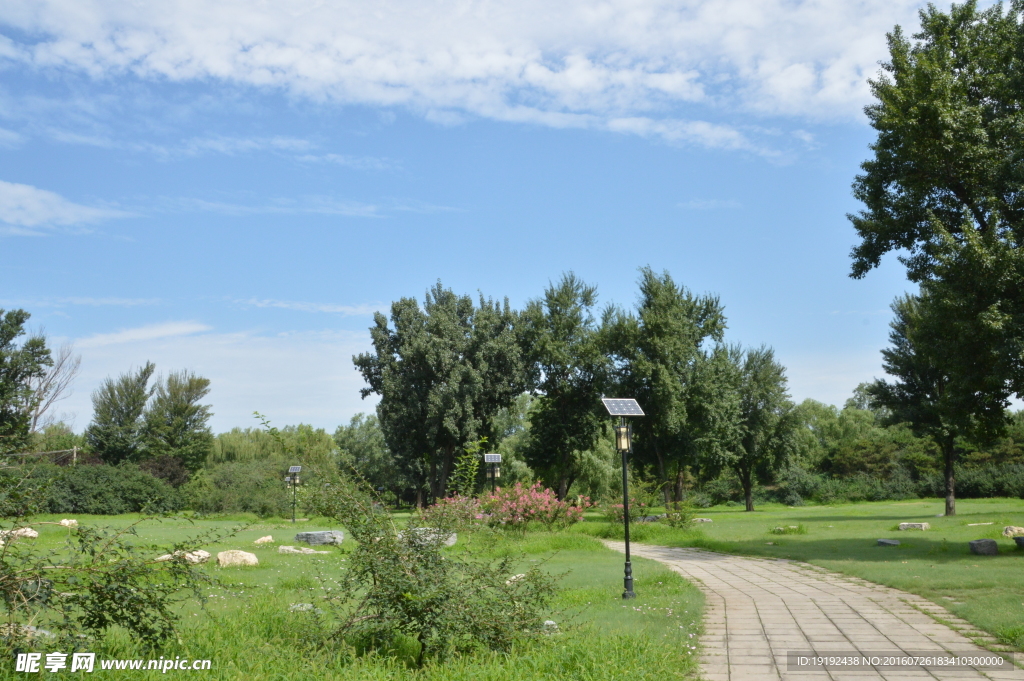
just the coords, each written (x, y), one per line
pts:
(627, 582)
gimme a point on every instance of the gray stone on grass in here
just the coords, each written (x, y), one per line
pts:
(888, 542)
(1019, 541)
(304, 550)
(915, 526)
(235, 558)
(984, 547)
(703, 520)
(318, 538)
(427, 535)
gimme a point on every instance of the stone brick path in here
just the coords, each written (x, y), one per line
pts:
(758, 610)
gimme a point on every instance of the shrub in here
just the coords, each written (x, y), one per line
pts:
(409, 587)
(513, 508)
(239, 487)
(104, 490)
(458, 512)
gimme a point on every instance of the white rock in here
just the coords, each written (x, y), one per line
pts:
(1013, 531)
(164, 558)
(703, 520)
(513, 579)
(69, 522)
(194, 557)
(915, 526)
(301, 550)
(269, 539)
(236, 558)
(21, 532)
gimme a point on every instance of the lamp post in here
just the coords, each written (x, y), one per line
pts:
(293, 480)
(495, 461)
(624, 444)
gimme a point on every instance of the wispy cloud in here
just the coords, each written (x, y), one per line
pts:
(711, 204)
(318, 205)
(142, 333)
(354, 162)
(634, 67)
(28, 210)
(345, 310)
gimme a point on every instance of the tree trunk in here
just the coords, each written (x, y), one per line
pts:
(678, 491)
(746, 476)
(662, 475)
(948, 453)
(446, 469)
(432, 484)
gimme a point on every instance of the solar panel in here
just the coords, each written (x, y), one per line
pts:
(622, 407)
(492, 458)
(295, 469)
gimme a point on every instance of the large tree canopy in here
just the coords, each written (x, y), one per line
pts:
(443, 372)
(665, 362)
(945, 187)
(19, 366)
(117, 430)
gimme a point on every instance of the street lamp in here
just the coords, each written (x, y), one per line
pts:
(293, 480)
(624, 444)
(495, 461)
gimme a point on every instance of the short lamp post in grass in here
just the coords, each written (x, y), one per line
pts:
(624, 444)
(495, 462)
(293, 480)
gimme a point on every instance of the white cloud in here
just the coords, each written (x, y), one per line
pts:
(142, 333)
(82, 300)
(346, 310)
(25, 210)
(318, 205)
(635, 66)
(292, 378)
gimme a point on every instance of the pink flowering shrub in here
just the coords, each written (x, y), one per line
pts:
(513, 508)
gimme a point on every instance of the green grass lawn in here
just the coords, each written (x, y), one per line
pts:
(937, 564)
(249, 632)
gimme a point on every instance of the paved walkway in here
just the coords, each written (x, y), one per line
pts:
(758, 610)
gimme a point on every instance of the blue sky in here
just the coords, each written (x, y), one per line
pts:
(235, 188)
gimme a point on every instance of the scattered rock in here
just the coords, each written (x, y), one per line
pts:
(915, 526)
(703, 520)
(300, 607)
(984, 547)
(888, 542)
(269, 539)
(301, 550)
(235, 558)
(1019, 541)
(21, 532)
(317, 538)
(513, 579)
(1013, 531)
(650, 518)
(426, 535)
(69, 522)
(976, 524)
(194, 557)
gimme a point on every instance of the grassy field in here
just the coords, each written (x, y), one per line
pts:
(936, 564)
(249, 630)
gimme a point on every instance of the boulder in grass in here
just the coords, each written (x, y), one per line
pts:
(984, 547)
(1013, 531)
(427, 535)
(236, 558)
(914, 525)
(318, 538)
(888, 542)
(703, 520)
(194, 557)
(301, 550)
(20, 533)
(269, 539)
(69, 522)
(1019, 541)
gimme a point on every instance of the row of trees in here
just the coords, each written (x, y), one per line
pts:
(449, 372)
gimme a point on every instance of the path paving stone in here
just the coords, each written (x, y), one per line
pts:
(759, 609)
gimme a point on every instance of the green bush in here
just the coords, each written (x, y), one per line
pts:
(239, 487)
(105, 490)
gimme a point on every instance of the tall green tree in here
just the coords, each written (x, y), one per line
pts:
(768, 420)
(570, 371)
(362, 448)
(940, 393)
(20, 364)
(945, 185)
(665, 362)
(116, 432)
(443, 371)
(176, 423)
